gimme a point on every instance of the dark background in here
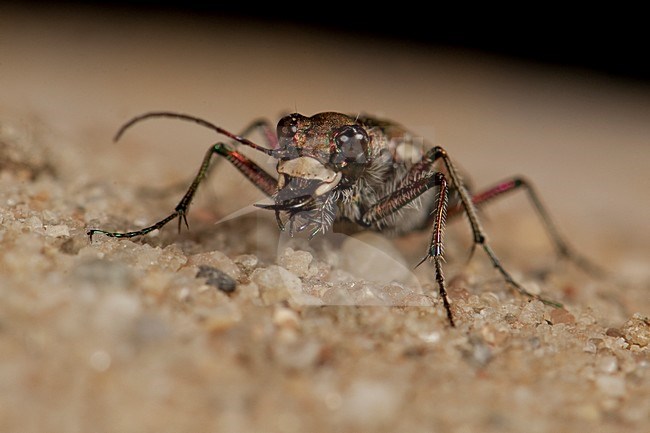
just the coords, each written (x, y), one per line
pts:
(611, 42)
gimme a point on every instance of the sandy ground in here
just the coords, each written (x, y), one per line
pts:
(335, 336)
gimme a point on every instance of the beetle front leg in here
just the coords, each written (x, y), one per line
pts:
(403, 196)
(261, 179)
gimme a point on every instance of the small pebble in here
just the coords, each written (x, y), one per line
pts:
(296, 261)
(337, 295)
(592, 345)
(219, 260)
(614, 332)
(246, 262)
(276, 284)
(216, 278)
(532, 313)
(560, 315)
(637, 330)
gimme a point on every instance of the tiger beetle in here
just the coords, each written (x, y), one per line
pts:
(334, 168)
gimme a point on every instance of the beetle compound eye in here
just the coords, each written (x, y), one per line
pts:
(349, 146)
(288, 126)
(286, 131)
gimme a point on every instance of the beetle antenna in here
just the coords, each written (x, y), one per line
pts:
(189, 118)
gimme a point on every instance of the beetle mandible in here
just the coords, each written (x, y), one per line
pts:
(332, 167)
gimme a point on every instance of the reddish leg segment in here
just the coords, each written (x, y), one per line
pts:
(266, 129)
(468, 206)
(517, 183)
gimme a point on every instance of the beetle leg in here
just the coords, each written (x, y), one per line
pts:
(403, 196)
(469, 207)
(265, 128)
(561, 246)
(260, 178)
(262, 125)
(479, 234)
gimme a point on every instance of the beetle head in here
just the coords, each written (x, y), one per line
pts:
(317, 156)
(327, 149)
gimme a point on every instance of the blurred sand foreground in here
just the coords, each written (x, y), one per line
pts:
(121, 335)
